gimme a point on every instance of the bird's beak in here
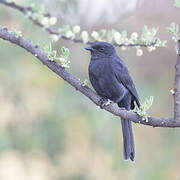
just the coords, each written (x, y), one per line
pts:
(89, 48)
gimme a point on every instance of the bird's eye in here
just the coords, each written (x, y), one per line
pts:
(102, 49)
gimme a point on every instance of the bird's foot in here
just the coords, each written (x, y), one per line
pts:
(123, 108)
(104, 102)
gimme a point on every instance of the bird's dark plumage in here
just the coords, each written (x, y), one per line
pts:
(110, 78)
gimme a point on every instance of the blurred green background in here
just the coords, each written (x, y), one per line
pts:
(50, 131)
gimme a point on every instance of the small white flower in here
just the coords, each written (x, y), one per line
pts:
(134, 35)
(130, 41)
(117, 37)
(29, 13)
(123, 48)
(85, 36)
(172, 91)
(95, 35)
(17, 33)
(35, 16)
(157, 45)
(62, 60)
(174, 39)
(177, 50)
(151, 48)
(69, 34)
(45, 21)
(52, 21)
(149, 33)
(76, 29)
(139, 52)
(54, 37)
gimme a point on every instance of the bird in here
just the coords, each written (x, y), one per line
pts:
(111, 80)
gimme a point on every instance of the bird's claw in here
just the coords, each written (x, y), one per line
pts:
(123, 108)
(104, 102)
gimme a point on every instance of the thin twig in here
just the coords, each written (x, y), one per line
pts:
(78, 85)
(26, 9)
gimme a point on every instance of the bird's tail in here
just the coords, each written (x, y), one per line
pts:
(128, 140)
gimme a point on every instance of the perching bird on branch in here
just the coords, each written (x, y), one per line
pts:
(110, 78)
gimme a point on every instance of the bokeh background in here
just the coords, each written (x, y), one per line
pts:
(49, 131)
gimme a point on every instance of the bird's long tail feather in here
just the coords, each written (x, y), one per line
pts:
(128, 140)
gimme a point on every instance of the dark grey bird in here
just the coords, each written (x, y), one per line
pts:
(110, 78)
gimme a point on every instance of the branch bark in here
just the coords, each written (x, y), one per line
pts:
(27, 9)
(177, 87)
(78, 85)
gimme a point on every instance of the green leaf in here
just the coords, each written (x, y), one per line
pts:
(17, 33)
(124, 34)
(48, 48)
(53, 54)
(177, 3)
(102, 33)
(173, 28)
(65, 51)
(85, 82)
(110, 35)
(41, 9)
(62, 59)
(142, 110)
(148, 34)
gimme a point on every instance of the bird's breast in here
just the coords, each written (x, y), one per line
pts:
(105, 78)
(100, 66)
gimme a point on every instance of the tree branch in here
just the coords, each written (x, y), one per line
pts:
(78, 85)
(177, 87)
(26, 9)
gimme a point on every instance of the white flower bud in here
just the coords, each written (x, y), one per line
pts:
(52, 21)
(117, 37)
(95, 35)
(29, 13)
(134, 35)
(62, 60)
(174, 39)
(139, 52)
(172, 91)
(85, 36)
(54, 37)
(69, 34)
(45, 21)
(151, 48)
(76, 29)
(123, 48)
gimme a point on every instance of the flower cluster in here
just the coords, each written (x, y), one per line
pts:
(62, 59)
(174, 30)
(142, 110)
(39, 15)
(147, 38)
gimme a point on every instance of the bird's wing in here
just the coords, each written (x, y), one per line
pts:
(123, 76)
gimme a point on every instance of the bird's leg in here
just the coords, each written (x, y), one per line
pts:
(104, 102)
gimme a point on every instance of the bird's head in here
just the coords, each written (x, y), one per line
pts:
(101, 49)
